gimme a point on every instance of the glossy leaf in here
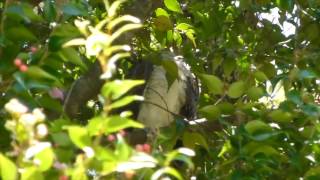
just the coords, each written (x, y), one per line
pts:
(173, 5)
(213, 83)
(8, 169)
(257, 126)
(79, 136)
(116, 89)
(236, 89)
(211, 112)
(281, 116)
(45, 158)
(163, 23)
(190, 140)
(71, 55)
(31, 173)
(254, 93)
(161, 12)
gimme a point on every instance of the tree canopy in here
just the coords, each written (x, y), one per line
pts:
(256, 65)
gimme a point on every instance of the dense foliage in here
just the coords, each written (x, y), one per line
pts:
(259, 86)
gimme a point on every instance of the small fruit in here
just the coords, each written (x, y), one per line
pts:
(33, 49)
(122, 133)
(23, 68)
(139, 147)
(111, 138)
(63, 177)
(129, 174)
(18, 62)
(147, 148)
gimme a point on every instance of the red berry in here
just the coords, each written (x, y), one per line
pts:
(147, 148)
(111, 138)
(139, 147)
(63, 177)
(33, 49)
(129, 174)
(122, 133)
(18, 62)
(23, 68)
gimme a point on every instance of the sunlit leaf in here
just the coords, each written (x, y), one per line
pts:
(173, 5)
(71, 55)
(257, 126)
(161, 12)
(281, 116)
(260, 76)
(79, 136)
(191, 139)
(163, 23)
(236, 89)
(8, 169)
(211, 112)
(125, 101)
(37, 72)
(117, 88)
(45, 158)
(254, 93)
(31, 173)
(213, 83)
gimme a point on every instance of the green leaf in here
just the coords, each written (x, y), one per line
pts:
(50, 12)
(254, 93)
(74, 10)
(45, 158)
(20, 33)
(171, 70)
(117, 123)
(166, 170)
(226, 108)
(236, 89)
(31, 173)
(260, 76)
(79, 136)
(311, 110)
(211, 112)
(184, 26)
(23, 11)
(173, 5)
(229, 65)
(162, 23)
(61, 139)
(307, 74)
(313, 171)
(110, 125)
(161, 12)
(269, 70)
(255, 126)
(125, 101)
(71, 55)
(213, 83)
(190, 35)
(123, 151)
(39, 73)
(104, 154)
(265, 149)
(115, 89)
(8, 169)
(191, 139)
(285, 4)
(295, 97)
(281, 116)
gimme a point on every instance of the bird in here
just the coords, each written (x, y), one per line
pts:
(164, 101)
